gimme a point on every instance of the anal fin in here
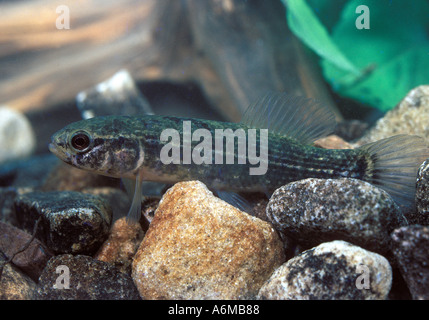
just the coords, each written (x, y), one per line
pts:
(235, 200)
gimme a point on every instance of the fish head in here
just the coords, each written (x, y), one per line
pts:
(101, 145)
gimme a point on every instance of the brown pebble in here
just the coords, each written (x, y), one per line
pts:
(121, 245)
(200, 247)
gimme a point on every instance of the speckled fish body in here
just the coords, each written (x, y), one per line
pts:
(121, 146)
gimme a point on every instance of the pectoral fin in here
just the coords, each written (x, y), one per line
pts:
(134, 214)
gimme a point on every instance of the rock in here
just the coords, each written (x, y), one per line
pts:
(68, 277)
(71, 222)
(410, 246)
(350, 130)
(117, 95)
(149, 206)
(117, 199)
(422, 196)
(17, 138)
(410, 116)
(7, 198)
(332, 142)
(28, 173)
(200, 247)
(334, 270)
(14, 285)
(33, 259)
(121, 245)
(313, 211)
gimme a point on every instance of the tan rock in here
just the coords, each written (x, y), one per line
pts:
(410, 116)
(121, 245)
(200, 247)
(332, 142)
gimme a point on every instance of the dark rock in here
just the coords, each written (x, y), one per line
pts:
(68, 277)
(334, 270)
(410, 245)
(118, 200)
(313, 211)
(14, 285)
(422, 196)
(71, 222)
(33, 259)
(7, 198)
(350, 129)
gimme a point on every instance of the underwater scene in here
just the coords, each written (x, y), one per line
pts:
(216, 150)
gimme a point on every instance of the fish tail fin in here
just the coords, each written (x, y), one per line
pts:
(394, 163)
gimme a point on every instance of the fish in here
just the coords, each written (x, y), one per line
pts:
(283, 128)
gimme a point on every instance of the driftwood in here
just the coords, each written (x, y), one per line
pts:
(234, 50)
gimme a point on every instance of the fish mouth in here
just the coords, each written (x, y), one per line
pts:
(52, 148)
(61, 154)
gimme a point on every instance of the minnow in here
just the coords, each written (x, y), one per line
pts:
(130, 147)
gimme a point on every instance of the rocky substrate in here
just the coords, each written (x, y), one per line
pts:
(63, 235)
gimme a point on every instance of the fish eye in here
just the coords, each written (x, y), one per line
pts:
(80, 141)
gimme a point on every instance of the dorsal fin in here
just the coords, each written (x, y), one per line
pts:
(299, 118)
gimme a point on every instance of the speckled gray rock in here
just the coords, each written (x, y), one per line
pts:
(410, 245)
(421, 215)
(334, 270)
(410, 116)
(71, 222)
(68, 277)
(313, 211)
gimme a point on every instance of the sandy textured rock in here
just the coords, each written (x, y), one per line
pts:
(332, 142)
(200, 247)
(68, 277)
(313, 211)
(410, 116)
(333, 270)
(410, 245)
(121, 245)
(71, 222)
